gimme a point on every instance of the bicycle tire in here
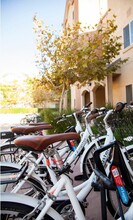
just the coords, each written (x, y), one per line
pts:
(12, 153)
(14, 157)
(111, 196)
(31, 187)
(23, 121)
(88, 162)
(17, 210)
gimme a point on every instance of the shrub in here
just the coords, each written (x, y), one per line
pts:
(51, 115)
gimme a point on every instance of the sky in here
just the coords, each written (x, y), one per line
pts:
(18, 45)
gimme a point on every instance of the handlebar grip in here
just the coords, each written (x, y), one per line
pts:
(79, 112)
(88, 105)
(93, 116)
(95, 110)
(119, 106)
(58, 118)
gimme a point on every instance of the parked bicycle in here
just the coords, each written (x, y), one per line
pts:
(30, 118)
(24, 207)
(82, 195)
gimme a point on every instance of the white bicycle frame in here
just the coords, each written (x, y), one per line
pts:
(84, 188)
(83, 144)
(50, 197)
(45, 204)
(104, 156)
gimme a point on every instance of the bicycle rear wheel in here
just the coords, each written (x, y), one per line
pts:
(12, 153)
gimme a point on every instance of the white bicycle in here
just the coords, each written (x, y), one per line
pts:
(14, 206)
(86, 187)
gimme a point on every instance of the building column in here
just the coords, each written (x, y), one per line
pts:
(108, 90)
(92, 99)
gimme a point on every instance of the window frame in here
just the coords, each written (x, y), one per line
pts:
(131, 32)
(128, 42)
(129, 93)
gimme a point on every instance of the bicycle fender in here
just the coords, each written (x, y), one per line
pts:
(10, 165)
(29, 201)
(19, 198)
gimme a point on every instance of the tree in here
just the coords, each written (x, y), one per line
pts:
(16, 93)
(77, 55)
(9, 94)
(41, 94)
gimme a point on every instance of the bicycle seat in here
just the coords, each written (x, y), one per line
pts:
(40, 142)
(24, 130)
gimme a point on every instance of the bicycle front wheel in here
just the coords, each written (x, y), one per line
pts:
(88, 162)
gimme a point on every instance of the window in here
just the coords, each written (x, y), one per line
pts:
(129, 93)
(131, 27)
(128, 34)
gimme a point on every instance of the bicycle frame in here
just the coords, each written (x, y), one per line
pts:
(56, 191)
(85, 187)
(82, 144)
(52, 194)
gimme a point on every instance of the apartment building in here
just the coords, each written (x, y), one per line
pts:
(119, 86)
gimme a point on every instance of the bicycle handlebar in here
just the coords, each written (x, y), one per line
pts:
(88, 105)
(94, 113)
(77, 113)
(100, 112)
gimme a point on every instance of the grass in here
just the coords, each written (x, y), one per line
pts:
(18, 110)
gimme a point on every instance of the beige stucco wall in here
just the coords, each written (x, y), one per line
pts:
(75, 97)
(91, 11)
(123, 9)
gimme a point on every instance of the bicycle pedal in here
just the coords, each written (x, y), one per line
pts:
(79, 177)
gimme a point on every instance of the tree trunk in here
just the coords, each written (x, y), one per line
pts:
(62, 98)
